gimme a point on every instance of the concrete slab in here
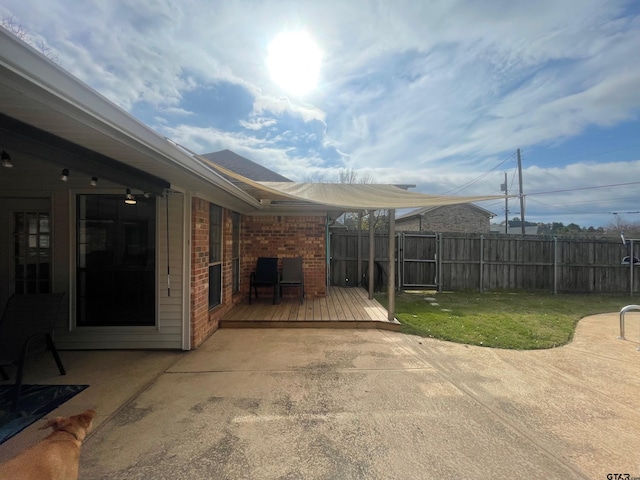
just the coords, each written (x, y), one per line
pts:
(114, 377)
(300, 403)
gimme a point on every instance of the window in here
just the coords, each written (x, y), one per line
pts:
(215, 255)
(235, 251)
(32, 252)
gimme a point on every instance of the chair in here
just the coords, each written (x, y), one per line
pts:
(26, 318)
(292, 275)
(265, 275)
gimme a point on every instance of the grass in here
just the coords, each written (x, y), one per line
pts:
(515, 320)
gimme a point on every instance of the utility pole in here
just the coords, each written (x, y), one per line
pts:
(521, 195)
(503, 188)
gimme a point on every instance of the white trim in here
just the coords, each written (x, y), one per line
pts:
(186, 273)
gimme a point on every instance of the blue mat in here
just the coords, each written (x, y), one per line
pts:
(35, 402)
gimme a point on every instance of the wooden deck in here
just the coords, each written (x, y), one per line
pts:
(341, 308)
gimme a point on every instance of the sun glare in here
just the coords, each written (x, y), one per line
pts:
(294, 62)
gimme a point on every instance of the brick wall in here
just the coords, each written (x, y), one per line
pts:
(448, 218)
(284, 236)
(276, 236)
(204, 321)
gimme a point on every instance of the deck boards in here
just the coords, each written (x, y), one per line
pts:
(342, 308)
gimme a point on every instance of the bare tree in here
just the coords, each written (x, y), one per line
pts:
(621, 225)
(17, 29)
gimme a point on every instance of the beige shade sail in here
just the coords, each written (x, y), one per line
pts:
(346, 196)
(368, 196)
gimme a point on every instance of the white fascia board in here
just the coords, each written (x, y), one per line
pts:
(55, 87)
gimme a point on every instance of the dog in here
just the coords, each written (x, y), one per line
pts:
(56, 456)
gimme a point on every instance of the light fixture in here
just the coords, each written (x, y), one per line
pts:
(94, 181)
(129, 199)
(64, 175)
(6, 160)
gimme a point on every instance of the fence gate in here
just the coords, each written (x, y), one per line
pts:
(418, 260)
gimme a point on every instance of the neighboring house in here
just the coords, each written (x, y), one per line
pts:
(245, 167)
(463, 218)
(515, 228)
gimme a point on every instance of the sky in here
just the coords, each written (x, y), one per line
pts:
(439, 94)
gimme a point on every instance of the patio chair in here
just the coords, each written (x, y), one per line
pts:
(292, 275)
(25, 319)
(265, 275)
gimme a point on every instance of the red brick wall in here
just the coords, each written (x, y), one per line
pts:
(276, 236)
(204, 321)
(285, 236)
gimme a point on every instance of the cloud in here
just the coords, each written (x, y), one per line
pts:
(431, 93)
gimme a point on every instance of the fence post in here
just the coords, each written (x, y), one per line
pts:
(555, 265)
(631, 266)
(481, 261)
(439, 262)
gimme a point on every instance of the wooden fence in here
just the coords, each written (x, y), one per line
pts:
(454, 261)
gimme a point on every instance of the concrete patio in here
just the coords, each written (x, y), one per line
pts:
(348, 404)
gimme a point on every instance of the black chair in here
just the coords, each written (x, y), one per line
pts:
(25, 319)
(265, 275)
(292, 275)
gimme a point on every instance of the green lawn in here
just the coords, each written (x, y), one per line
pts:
(516, 320)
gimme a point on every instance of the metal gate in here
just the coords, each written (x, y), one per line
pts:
(418, 260)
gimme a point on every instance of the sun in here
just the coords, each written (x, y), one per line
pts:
(294, 62)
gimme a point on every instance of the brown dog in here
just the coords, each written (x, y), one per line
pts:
(56, 456)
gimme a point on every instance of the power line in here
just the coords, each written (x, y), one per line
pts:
(477, 179)
(584, 188)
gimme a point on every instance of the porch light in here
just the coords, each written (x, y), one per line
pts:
(94, 181)
(6, 160)
(129, 199)
(64, 175)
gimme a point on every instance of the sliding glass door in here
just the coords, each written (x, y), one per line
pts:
(115, 261)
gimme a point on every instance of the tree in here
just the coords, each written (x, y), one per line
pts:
(17, 29)
(350, 219)
(621, 225)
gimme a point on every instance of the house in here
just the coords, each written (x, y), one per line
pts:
(152, 243)
(463, 218)
(243, 166)
(514, 227)
(157, 273)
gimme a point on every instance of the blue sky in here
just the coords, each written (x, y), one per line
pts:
(439, 94)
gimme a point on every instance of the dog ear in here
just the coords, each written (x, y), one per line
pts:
(54, 423)
(85, 418)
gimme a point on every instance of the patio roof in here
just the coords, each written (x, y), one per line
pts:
(40, 94)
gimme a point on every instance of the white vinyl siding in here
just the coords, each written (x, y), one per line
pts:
(167, 333)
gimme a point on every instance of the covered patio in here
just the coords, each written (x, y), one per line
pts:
(341, 308)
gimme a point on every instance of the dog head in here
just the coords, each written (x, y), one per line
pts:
(77, 425)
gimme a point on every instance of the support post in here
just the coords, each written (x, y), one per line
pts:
(372, 252)
(391, 283)
(359, 248)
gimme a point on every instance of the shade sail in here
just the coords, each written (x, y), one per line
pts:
(367, 196)
(346, 196)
